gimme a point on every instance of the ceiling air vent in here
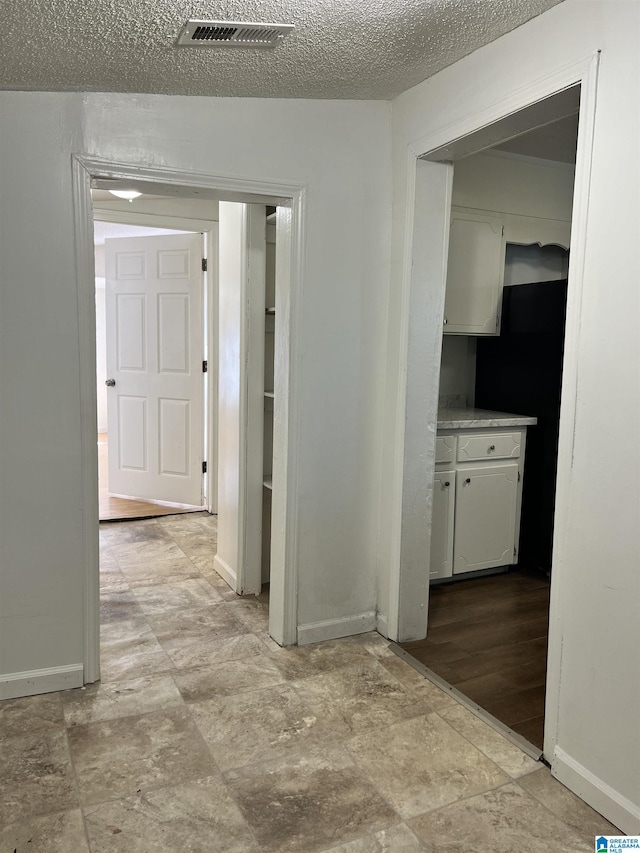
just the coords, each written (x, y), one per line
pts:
(231, 34)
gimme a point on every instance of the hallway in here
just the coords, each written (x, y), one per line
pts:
(204, 735)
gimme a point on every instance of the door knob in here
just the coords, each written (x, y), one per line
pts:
(110, 383)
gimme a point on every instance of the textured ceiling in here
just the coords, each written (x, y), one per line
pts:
(339, 48)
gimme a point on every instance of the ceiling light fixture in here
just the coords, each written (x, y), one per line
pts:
(129, 195)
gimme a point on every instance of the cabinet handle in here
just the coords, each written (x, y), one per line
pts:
(446, 485)
(491, 447)
(468, 480)
(444, 321)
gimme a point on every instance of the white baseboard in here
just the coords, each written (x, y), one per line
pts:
(617, 809)
(225, 571)
(17, 684)
(332, 629)
(382, 626)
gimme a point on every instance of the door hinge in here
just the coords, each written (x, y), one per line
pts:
(519, 477)
(205, 366)
(204, 467)
(515, 552)
(204, 265)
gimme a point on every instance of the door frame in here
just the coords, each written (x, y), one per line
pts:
(283, 625)
(423, 284)
(209, 228)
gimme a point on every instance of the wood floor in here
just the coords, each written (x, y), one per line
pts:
(488, 639)
(112, 508)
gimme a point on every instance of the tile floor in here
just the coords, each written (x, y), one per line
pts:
(205, 736)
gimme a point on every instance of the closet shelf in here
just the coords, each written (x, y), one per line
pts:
(270, 311)
(269, 394)
(268, 483)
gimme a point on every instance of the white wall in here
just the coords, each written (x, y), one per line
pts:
(167, 207)
(528, 264)
(511, 183)
(457, 371)
(41, 593)
(597, 584)
(340, 151)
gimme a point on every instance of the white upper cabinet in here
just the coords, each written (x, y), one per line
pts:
(499, 198)
(475, 273)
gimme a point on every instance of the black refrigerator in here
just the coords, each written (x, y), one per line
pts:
(521, 372)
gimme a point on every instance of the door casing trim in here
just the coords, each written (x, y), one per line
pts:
(84, 170)
(404, 594)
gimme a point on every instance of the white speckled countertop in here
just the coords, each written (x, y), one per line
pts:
(480, 418)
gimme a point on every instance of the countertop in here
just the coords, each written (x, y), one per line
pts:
(480, 418)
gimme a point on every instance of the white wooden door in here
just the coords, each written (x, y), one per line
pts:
(441, 561)
(475, 273)
(485, 517)
(154, 358)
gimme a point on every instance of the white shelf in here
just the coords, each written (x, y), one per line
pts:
(271, 217)
(270, 311)
(269, 394)
(267, 483)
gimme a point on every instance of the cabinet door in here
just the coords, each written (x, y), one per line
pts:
(475, 273)
(485, 518)
(441, 561)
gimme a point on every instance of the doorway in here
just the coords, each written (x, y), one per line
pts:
(87, 174)
(425, 265)
(490, 573)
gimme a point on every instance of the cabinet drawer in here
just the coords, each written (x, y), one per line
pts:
(445, 448)
(474, 448)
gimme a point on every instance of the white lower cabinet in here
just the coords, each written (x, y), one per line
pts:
(485, 517)
(476, 504)
(444, 490)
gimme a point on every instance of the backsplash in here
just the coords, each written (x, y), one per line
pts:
(452, 401)
(457, 370)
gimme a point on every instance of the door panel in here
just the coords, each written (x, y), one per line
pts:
(132, 426)
(131, 331)
(485, 518)
(440, 564)
(154, 354)
(174, 426)
(475, 272)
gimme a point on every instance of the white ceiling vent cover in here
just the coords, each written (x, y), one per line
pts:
(232, 34)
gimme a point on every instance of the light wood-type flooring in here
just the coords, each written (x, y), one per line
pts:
(204, 735)
(488, 639)
(112, 508)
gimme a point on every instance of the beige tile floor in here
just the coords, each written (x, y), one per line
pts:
(204, 736)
